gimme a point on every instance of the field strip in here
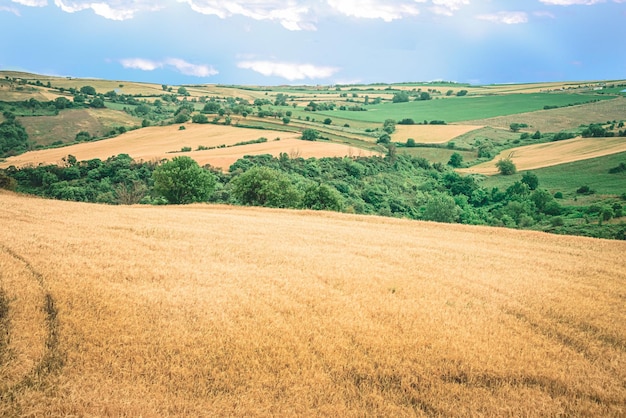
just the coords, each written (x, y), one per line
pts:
(157, 143)
(536, 156)
(431, 134)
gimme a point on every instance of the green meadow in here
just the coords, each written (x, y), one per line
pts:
(457, 109)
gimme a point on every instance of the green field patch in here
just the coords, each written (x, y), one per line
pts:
(567, 178)
(458, 109)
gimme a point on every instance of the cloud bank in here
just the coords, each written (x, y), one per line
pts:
(289, 71)
(176, 64)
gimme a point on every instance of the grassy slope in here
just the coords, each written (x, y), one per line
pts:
(217, 311)
(566, 178)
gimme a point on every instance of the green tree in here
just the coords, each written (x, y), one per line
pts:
(263, 186)
(328, 121)
(456, 160)
(183, 181)
(310, 135)
(531, 180)
(199, 118)
(322, 197)
(89, 90)
(425, 96)
(183, 91)
(400, 97)
(441, 208)
(97, 103)
(13, 136)
(506, 167)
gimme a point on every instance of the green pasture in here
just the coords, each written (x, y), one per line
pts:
(460, 109)
(567, 178)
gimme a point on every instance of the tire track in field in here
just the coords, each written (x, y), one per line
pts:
(51, 360)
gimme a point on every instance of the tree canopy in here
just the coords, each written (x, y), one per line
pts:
(183, 181)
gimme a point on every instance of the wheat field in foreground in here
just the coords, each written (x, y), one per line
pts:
(208, 310)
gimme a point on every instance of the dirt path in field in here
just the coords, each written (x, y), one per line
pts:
(553, 153)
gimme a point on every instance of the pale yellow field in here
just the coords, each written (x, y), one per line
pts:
(156, 143)
(535, 156)
(430, 134)
(223, 311)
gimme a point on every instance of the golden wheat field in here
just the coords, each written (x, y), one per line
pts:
(431, 134)
(156, 143)
(208, 310)
(531, 157)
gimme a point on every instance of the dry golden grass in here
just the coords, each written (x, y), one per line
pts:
(535, 156)
(430, 134)
(156, 143)
(223, 311)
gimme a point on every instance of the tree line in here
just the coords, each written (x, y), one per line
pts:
(396, 185)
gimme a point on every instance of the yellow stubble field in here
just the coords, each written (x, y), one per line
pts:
(156, 143)
(431, 134)
(536, 156)
(208, 310)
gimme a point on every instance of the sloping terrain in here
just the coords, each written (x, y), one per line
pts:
(555, 120)
(549, 154)
(156, 143)
(225, 311)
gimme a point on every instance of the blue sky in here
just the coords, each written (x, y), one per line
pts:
(268, 42)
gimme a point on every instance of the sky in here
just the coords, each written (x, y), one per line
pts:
(316, 42)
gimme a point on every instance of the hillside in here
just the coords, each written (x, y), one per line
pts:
(208, 310)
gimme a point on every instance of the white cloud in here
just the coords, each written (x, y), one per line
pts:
(375, 9)
(289, 71)
(10, 10)
(178, 64)
(509, 18)
(572, 2)
(544, 14)
(447, 7)
(114, 10)
(32, 3)
(141, 64)
(191, 69)
(291, 14)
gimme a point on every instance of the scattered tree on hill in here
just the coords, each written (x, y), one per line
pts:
(97, 103)
(425, 96)
(183, 181)
(531, 180)
(400, 97)
(310, 135)
(389, 126)
(199, 118)
(89, 90)
(183, 91)
(506, 167)
(456, 160)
